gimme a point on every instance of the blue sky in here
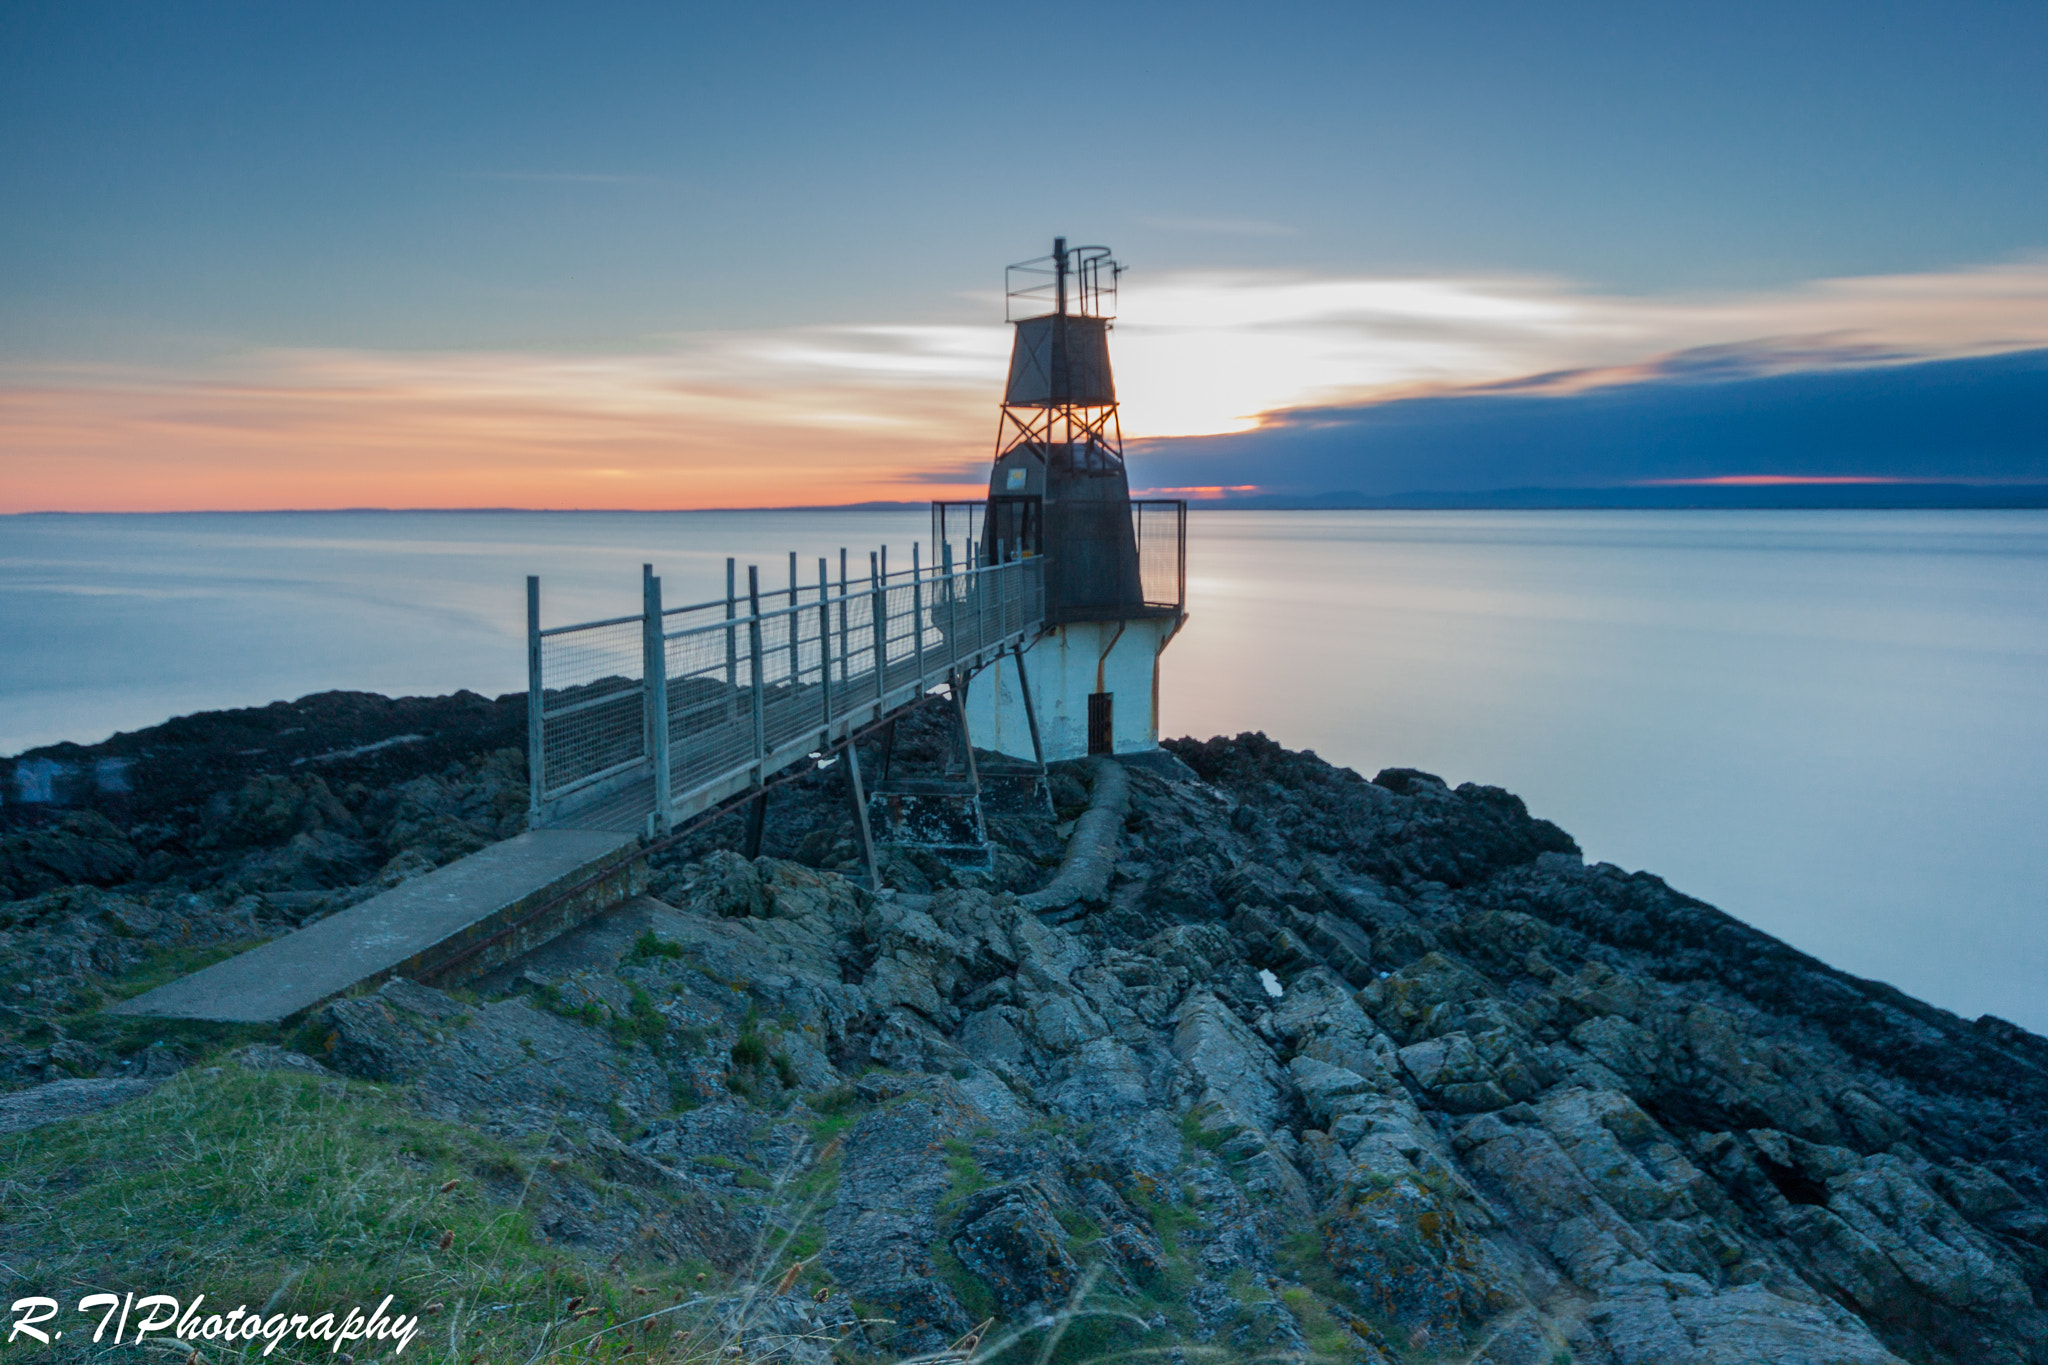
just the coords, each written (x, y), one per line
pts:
(213, 210)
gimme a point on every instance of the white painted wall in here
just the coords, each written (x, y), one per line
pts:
(1064, 666)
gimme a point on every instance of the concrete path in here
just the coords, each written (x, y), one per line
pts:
(452, 924)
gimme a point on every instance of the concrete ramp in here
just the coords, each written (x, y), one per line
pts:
(452, 924)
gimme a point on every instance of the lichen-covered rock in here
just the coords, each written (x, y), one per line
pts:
(1407, 1252)
(1009, 1237)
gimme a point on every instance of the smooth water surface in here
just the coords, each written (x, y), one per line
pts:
(1832, 724)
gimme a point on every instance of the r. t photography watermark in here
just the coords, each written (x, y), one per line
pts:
(162, 1316)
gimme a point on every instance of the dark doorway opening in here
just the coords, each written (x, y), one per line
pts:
(1101, 735)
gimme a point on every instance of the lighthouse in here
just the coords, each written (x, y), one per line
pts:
(1113, 568)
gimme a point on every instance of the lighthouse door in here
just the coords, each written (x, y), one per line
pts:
(1101, 729)
(1014, 522)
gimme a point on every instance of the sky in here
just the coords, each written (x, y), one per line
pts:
(681, 255)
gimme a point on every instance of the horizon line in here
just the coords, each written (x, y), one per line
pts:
(1205, 496)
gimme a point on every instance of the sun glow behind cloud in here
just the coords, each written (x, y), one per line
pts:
(823, 415)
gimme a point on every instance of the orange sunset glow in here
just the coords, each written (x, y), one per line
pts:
(816, 416)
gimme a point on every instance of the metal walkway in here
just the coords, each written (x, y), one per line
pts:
(639, 723)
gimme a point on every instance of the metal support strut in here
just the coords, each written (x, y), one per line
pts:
(757, 821)
(857, 794)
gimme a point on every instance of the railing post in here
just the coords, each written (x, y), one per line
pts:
(754, 653)
(952, 603)
(732, 647)
(536, 702)
(878, 598)
(973, 586)
(845, 657)
(654, 673)
(917, 608)
(796, 658)
(825, 648)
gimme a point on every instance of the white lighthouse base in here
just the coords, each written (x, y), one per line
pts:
(1065, 666)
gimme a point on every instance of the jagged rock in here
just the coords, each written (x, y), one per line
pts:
(1379, 1070)
(83, 847)
(1008, 1236)
(1238, 1070)
(271, 1057)
(58, 1100)
(1407, 1252)
(730, 886)
(885, 1220)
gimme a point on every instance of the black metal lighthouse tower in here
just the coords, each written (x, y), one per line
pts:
(1059, 486)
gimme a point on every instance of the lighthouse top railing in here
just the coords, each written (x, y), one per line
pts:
(653, 718)
(1033, 288)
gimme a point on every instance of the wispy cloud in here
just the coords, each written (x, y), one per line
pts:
(822, 414)
(1202, 354)
(1223, 227)
(561, 177)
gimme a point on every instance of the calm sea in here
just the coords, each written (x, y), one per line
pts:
(1833, 725)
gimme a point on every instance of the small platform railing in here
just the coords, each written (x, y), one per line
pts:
(1159, 537)
(674, 711)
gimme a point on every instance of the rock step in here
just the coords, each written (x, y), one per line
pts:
(451, 924)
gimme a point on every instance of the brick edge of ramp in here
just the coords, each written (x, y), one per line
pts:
(447, 926)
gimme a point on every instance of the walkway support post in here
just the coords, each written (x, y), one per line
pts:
(857, 793)
(959, 690)
(757, 821)
(536, 702)
(1030, 711)
(654, 672)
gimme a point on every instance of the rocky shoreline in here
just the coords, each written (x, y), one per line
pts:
(1316, 1066)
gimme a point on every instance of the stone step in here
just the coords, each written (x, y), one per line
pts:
(452, 924)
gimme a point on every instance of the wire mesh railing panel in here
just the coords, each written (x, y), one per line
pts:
(592, 714)
(1161, 531)
(899, 651)
(710, 703)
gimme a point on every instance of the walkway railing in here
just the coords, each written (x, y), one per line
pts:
(676, 710)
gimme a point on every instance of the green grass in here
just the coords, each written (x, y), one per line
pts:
(647, 948)
(320, 1194)
(642, 1023)
(965, 1178)
(1326, 1336)
(237, 1184)
(1196, 1135)
(749, 1050)
(169, 964)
